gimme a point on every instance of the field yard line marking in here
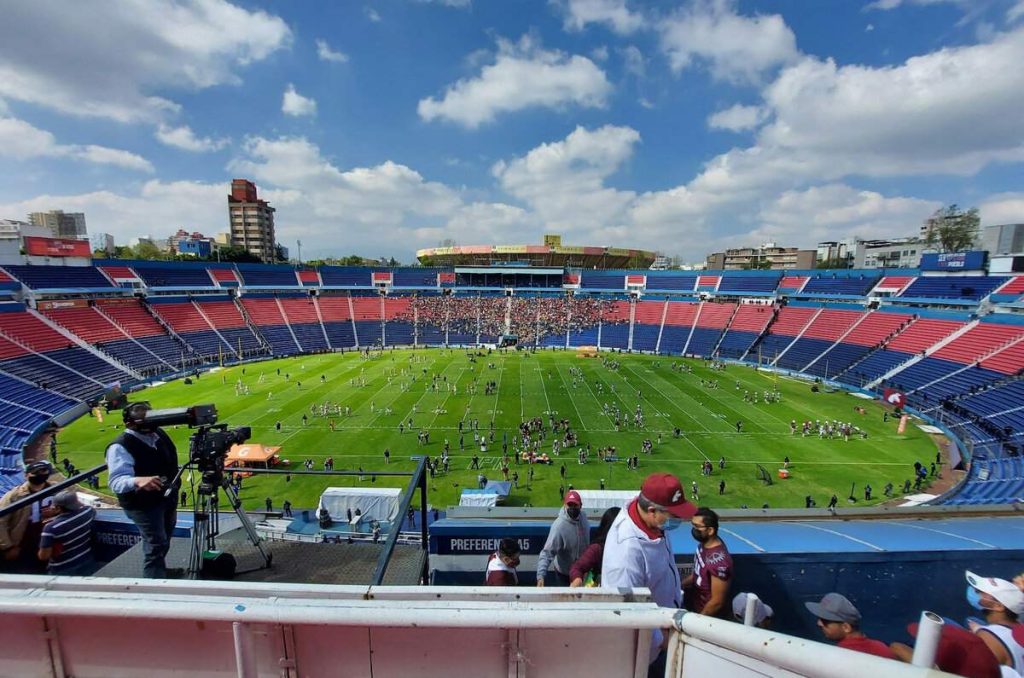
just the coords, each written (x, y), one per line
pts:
(665, 396)
(462, 370)
(571, 399)
(718, 401)
(743, 539)
(373, 398)
(839, 534)
(497, 389)
(709, 374)
(948, 534)
(545, 389)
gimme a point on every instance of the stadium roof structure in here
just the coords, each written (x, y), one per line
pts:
(551, 253)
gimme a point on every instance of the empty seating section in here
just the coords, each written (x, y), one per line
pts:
(746, 326)
(308, 278)
(918, 336)
(971, 287)
(184, 318)
(979, 341)
(334, 276)
(337, 317)
(300, 312)
(593, 280)
(93, 327)
(397, 330)
(47, 374)
(647, 324)
(266, 315)
(672, 283)
(366, 311)
(993, 481)
(678, 320)
(892, 284)
(862, 339)
(59, 277)
(119, 273)
(792, 283)
(819, 337)
(711, 321)
(22, 327)
(1007, 361)
(225, 277)
(1011, 290)
(415, 277)
(168, 276)
(615, 324)
(829, 285)
(225, 316)
(764, 284)
(708, 282)
(268, 277)
(130, 315)
(788, 324)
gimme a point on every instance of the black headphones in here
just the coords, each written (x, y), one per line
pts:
(135, 412)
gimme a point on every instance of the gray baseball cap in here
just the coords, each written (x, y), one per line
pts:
(67, 500)
(835, 607)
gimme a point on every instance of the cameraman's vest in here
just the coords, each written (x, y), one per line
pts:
(162, 461)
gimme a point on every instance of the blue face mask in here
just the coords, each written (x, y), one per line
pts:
(974, 598)
(671, 524)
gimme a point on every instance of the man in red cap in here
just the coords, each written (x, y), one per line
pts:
(637, 552)
(568, 538)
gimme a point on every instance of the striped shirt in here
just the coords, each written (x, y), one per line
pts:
(70, 537)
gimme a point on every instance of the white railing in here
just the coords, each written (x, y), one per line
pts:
(60, 626)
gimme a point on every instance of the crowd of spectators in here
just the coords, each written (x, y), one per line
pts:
(530, 319)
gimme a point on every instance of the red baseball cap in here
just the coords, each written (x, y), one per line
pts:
(963, 653)
(665, 490)
(573, 497)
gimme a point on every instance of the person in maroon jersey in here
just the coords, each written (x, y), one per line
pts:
(839, 622)
(501, 566)
(707, 588)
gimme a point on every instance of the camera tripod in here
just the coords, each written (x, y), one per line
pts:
(206, 523)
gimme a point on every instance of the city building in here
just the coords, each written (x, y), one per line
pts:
(102, 242)
(193, 244)
(894, 253)
(551, 253)
(252, 221)
(61, 224)
(1005, 246)
(767, 256)
(837, 253)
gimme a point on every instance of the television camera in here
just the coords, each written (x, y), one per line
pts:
(208, 449)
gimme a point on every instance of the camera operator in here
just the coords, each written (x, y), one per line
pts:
(141, 461)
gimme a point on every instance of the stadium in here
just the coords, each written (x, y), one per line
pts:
(298, 378)
(763, 390)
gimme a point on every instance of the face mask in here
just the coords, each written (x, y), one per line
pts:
(671, 524)
(37, 480)
(573, 511)
(698, 535)
(974, 598)
(512, 562)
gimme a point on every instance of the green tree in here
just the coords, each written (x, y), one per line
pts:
(952, 229)
(148, 251)
(237, 254)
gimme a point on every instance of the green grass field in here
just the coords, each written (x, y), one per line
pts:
(528, 386)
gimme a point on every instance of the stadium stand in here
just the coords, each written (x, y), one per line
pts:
(647, 324)
(712, 318)
(336, 312)
(823, 332)
(749, 284)
(599, 280)
(171, 276)
(824, 284)
(191, 326)
(671, 283)
(88, 323)
(971, 287)
(223, 314)
(265, 313)
(300, 313)
(259, 275)
(224, 277)
(788, 324)
(366, 312)
(912, 341)
(679, 319)
(335, 276)
(746, 326)
(792, 283)
(60, 277)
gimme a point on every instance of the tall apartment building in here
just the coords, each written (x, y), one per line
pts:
(61, 224)
(252, 220)
(769, 256)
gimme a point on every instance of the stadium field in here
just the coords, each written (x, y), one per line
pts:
(381, 393)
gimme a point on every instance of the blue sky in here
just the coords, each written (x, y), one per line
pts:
(380, 127)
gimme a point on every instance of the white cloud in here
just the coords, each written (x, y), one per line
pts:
(458, 4)
(599, 53)
(325, 53)
(737, 118)
(523, 76)
(893, 4)
(1015, 12)
(372, 14)
(633, 61)
(295, 104)
(737, 49)
(184, 138)
(836, 211)
(21, 140)
(869, 28)
(564, 182)
(118, 60)
(1002, 208)
(614, 13)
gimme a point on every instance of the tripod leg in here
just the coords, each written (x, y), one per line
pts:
(247, 525)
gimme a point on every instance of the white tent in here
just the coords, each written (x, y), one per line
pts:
(601, 500)
(379, 503)
(478, 498)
